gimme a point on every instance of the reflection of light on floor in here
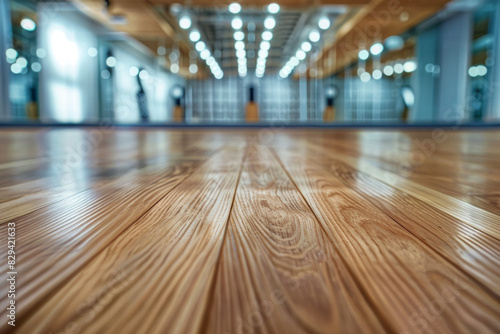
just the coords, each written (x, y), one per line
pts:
(69, 102)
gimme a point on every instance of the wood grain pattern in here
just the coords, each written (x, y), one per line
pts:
(253, 231)
(276, 257)
(391, 260)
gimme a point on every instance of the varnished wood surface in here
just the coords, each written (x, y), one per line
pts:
(252, 231)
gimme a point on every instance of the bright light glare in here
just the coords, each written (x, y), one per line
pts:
(376, 49)
(265, 45)
(398, 68)
(111, 61)
(267, 35)
(363, 55)
(200, 46)
(314, 36)
(324, 23)
(388, 70)
(239, 35)
(300, 54)
(28, 24)
(409, 66)
(236, 23)
(185, 22)
(273, 8)
(235, 8)
(269, 23)
(306, 46)
(194, 36)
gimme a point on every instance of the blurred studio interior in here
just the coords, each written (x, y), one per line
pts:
(204, 62)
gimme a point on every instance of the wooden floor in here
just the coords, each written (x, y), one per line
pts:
(252, 231)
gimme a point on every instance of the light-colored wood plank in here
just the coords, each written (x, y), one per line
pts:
(415, 288)
(474, 252)
(278, 272)
(165, 260)
(56, 241)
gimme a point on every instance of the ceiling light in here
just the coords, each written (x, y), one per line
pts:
(235, 8)
(241, 53)
(314, 36)
(265, 45)
(377, 74)
(204, 54)
(185, 22)
(239, 35)
(193, 68)
(200, 46)
(174, 68)
(306, 46)
(409, 66)
(363, 54)
(111, 61)
(236, 23)
(300, 54)
(263, 53)
(21, 61)
(12, 54)
(294, 61)
(267, 35)
(210, 61)
(194, 36)
(481, 70)
(239, 45)
(324, 23)
(273, 8)
(28, 24)
(388, 70)
(376, 49)
(269, 23)
(398, 68)
(365, 77)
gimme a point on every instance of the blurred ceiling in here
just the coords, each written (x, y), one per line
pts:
(355, 25)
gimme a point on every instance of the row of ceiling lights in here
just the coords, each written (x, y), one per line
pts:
(200, 46)
(388, 70)
(267, 36)
(239, 36)
(301, 54)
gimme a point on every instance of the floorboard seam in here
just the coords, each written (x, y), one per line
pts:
(206, 311)
(69, 277)
(385, 323)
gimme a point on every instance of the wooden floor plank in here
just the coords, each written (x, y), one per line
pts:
(154, 261)
(278, 272)
(416, 289)
(481, 219)
(56, 241)
(471, 250)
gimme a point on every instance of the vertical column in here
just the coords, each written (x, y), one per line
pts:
(303, 97)
(454, 43)
(493, 113)
(424, 79)
(5, 43)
